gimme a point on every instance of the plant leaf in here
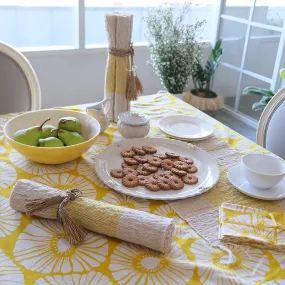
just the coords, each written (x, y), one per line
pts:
(258, 106)
(282, 73)
(258, 91)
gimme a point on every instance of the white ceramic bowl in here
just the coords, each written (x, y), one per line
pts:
(262, 171)
(52, 155)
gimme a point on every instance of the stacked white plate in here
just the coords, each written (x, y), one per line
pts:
(185, 128)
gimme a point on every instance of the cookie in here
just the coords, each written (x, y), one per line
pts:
(130, 161)
(181, 165)
(149, 149)
(161, 156)
(155, 161)
(140, 159)
(128, 171)
(163, 183)
(143, 172)
(127, 153)
(190, 179)
(150, 168)
(152, 185)
(169, 175)
(172, 155)
(142, 180)
(178, 172)
(124, 165)
(158, 175)
(117, 173)
(192, 169)
(176, 183)
(130, 181)
(138, 150)
(167, 164)
(186, 160)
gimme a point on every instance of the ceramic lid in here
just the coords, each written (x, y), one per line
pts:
(133, 119)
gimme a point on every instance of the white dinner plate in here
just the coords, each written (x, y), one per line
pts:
(239, 181)
(185, 127)
(110, 158)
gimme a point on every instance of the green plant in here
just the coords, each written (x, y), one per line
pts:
(266, 94)
(202, 77)
(173, 45)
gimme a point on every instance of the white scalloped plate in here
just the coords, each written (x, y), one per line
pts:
(110, 158)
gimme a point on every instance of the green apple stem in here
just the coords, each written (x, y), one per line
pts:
(41, 126)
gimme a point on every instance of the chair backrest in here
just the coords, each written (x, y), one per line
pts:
(19, 85)
(271, 126)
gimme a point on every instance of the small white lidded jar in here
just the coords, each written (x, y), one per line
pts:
(133, 125)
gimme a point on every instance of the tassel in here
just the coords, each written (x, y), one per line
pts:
(134, 86)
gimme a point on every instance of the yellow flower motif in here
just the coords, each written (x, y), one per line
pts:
(280, 257)
(10, 274)
(86, 167)
(131, 264)
(126, 201)
(66, 181)
(8, 174)
(181, 226)
(9, 218)
(218, 267)
(37, 168)
(101, 142)
(275, 282)
(92, 278)
(43, 247)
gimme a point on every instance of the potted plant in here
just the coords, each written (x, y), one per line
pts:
(266, 94)
(202, 96)
(173, 45)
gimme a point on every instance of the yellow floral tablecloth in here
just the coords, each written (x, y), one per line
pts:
(36, 251)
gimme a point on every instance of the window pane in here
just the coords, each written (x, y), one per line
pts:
(226, 84)
(246, 101)
(38, 23)
(269, 12)
(233, 35)
(237, 8)
(261, 51)
(95, 10)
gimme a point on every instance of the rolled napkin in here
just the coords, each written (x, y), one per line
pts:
(77, 213)
(251, 226)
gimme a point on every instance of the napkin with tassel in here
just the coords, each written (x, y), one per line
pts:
(251, 226)
(78, 214)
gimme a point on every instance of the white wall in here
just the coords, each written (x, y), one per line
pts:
(75, 77)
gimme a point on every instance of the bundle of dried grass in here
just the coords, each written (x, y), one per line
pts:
(121, 82)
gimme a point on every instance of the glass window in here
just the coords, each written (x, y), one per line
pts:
(226, 84)
(261, 51)
(38, 23)
(233, 35)
(236, 8)
(269, 12)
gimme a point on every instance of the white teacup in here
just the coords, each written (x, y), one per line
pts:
(262, 171)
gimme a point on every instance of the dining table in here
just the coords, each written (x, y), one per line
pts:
(37, 251)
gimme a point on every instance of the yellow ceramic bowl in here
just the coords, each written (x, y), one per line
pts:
(52, 155)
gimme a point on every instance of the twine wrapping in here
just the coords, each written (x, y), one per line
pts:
(75, 212)
(121, 81)
(75, 233)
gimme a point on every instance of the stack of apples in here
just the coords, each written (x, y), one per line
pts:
(67, 133)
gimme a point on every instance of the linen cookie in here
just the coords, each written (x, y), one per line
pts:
(117, 173)
(167, 164)
(186, 160)
(130, 181)
(172, 155)
(142, 171)
(169, 175)
(140, 158)
(176, 183)
(124, 165)
(190, 179)
(192, 169)
(161, 156)
(155, 161)
(128, 171)
(181, 165)
(142, 180)
(178, 172)
(138, 150)
(152, 185)
(150, 168)
(130, 161)
(127, 153)
(149, 149)
(158, 175)
(163, 183)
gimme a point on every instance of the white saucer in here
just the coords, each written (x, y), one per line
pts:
(185, 127)
(238, 180)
